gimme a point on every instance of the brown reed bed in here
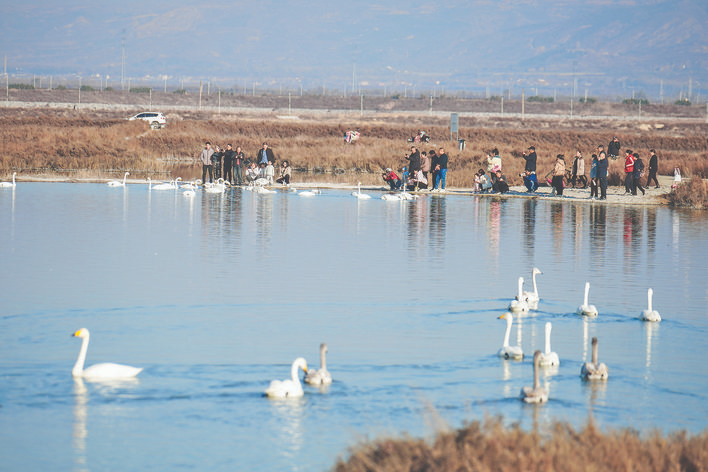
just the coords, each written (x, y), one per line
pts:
(490, 446)
(99, 144)
(691, 193)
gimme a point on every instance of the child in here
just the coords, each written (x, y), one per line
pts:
(269, 173)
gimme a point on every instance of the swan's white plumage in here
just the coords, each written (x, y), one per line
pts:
(321, 376)
(310, 193)
(290, 388)
(535, 394)
(359, 195)
(118, 183)
(9, 184)
(585, 308)
(506, 351)
(650, 314)
(548, 357)
(104, 371)
(532, 297)
(594, 370)
(519, 305)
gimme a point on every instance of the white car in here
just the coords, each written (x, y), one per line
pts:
(157, 120)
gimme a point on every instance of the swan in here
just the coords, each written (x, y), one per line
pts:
(263, 190)
(118, 183)
(519, 305)
(322, 376)
(99, 371)
(549, 358)
(359, 195)
(506, 351)
(535, 394)
(165, 185)
(310, 193)
(585, 309)
(291, 388)
(649, 314)
(532, 297)
(593, 370)
(9, 184)
(189, 192)
(215, 187)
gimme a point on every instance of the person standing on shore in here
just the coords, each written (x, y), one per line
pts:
(530, 158)
(441, 170)
(265, 155)
(558, 174)
(593, 177)
(602, 174)
(228, 163)
(637, 174)
(653, 168)
(238, 160)
(628, 172)
(579, 170)
(414, 160)
(425, 165)
(216, 162)
(433, 169)
(613, 149)
(494, 161)
(205, 157)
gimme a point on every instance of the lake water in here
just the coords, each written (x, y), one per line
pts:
(216, 295)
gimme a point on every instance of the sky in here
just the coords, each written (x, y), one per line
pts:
(610, 47)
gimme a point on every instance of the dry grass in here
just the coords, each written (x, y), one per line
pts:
(489, 446)
(96, 143)
(691, 194)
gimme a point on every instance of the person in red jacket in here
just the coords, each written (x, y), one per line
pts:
(392, 179)
(628, 172)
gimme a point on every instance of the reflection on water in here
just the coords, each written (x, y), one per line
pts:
(288, 416)
(557, 229)
(80, 431)
(494, 227)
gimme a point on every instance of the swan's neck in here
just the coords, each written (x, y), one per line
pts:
(587, 291)
(508, 331)
(521, 288)
(535, 289)
(293, 372)
(649, 295)
(594, 353)
(323, 360)
(79, 366)
(536, 379)
(548, 339)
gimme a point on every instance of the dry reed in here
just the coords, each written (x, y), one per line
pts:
(692, 193)
(489, 446)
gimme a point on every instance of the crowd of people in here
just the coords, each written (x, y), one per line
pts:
(425, 171)
(233, 166)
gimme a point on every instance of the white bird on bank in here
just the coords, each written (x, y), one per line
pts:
(594, 370)
(532, 297)
(519, 305)
(649, 314)
(535, 394)
(359, 195)
(322, 376)
(585, 309)
(118, 183)
(506, 351)
(9, 184)
(105, 371)
(290, 388)
(548, 357)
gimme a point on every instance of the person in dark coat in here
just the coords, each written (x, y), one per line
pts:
(530, 156)
(228, 163)
(613, 149)
(602, 174)
(265, 155)
(653, 168)
(414, 159)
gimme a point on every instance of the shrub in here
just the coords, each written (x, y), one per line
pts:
(108, 89)
(635, 101)
(180, 92)
(140, 90)
(21, 86)
(588, 100)
(691, 194)
(540, 99)
(87, 88)
(61, 87)
(683, 102)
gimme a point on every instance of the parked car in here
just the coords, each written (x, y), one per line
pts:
(156, 119)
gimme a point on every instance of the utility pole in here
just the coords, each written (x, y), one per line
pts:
(122, 63)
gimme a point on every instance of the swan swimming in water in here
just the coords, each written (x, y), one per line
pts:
(649, 314)
(103, 371)
(171, 185)
(359, 195)
(9, 184)
(322, 376)
(593, 370)
(532, 297)
(118, 183)
(310, 193)
(506, 351)
(548, 357)
(519, 305)
(535, 394)
(290, 388)
(585, 309)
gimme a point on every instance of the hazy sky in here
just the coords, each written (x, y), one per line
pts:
(393, 42)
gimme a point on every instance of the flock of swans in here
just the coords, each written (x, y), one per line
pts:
(525, 301)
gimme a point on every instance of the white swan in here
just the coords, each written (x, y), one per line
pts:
(585, 309)
(9, 184)
(171, 185)
(99, 371)
(322, 376)
(359, 195)
(118, 183)
(548, 357)
(506, 351)
(310, 193)
(649, 314)
(519, 305)
(291, 388)
(593, 370)
(535, 394)
(189, 192)
(532, 297)
(216, 187)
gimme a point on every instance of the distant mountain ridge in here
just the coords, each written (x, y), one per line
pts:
(569, 47)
